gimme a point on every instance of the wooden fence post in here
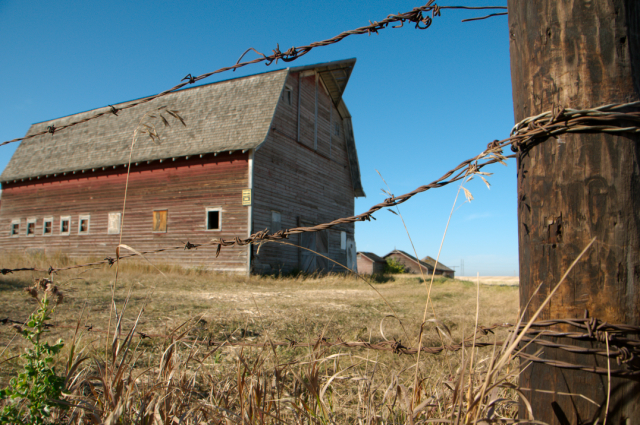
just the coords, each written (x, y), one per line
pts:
(578, 54)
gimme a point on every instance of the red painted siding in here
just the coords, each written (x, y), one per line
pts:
(185, 188)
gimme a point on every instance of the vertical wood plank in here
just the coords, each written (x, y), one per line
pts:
(315, 121)
(578, 54)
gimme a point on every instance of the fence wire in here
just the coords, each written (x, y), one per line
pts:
(623, 345)
(613, 119)
(418, 16)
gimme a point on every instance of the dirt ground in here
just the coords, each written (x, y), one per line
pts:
(492, 280)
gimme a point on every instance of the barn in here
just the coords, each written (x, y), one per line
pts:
(412, 265)
(269, 151)
(370, 263)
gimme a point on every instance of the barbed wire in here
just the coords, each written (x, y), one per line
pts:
(417, 16)
(624, 350)
(613, 119)
(394, 346)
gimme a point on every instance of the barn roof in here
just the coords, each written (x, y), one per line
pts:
(224, 116)
(426, 262)
(432, 262)
(371, 256)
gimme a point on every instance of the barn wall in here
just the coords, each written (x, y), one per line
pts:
(184, 187)
(368, 266)
(305, 185)
(365, 265)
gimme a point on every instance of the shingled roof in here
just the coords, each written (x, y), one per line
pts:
(371, 256)
(432, 262)
(225, 116)
(426, 262)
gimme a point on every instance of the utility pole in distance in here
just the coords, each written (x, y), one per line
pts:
(578, 54)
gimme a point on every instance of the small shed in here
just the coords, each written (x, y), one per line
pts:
(412, 265)
(441, 268)
(370, 263)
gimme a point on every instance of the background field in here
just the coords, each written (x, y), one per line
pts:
(267, 308)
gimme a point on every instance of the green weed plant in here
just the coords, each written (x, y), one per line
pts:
(35, 393)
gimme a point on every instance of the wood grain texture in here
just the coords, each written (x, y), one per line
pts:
(578, 54)
(302, 184)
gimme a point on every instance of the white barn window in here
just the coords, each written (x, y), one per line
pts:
(113, 226)
(213, 219)
(15, 228)
(83, 225)
(65, 225)
(276, 221)
(31, 227)
(343, 240)
(47, 226)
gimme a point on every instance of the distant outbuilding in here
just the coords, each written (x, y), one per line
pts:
(370, 263)
(412, 265)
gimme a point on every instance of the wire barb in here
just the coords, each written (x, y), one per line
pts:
(190, 78)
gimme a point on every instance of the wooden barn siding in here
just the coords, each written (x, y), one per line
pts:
(300, 183)
(368, 266)
(184, 187)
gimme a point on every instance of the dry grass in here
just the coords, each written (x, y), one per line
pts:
(160, 380)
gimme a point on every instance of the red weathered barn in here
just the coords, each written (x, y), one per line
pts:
(274, 150)
(370, 263)
(412, 265)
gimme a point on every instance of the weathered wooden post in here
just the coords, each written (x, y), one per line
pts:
(578, 54)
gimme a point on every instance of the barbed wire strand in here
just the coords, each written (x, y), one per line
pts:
(416, 15)
(624, 350)
(613, 119)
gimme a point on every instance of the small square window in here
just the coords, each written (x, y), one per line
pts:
(65, 225)
(287, 94)
(113, 227)
(31, 227)
(160, 221)
(276, 221)
(83, 225)
(213, 219)
(47, 226)
(15, 228)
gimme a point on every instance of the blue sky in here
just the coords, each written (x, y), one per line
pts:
(422, 101)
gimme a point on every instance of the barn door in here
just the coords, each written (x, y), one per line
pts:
(307, 258)
(322, 247)
(352, 255)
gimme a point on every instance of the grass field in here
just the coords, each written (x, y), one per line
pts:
(257, 384)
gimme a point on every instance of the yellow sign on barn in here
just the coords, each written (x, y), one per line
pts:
(246, 196)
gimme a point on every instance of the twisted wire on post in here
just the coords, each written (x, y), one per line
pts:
(614, 119)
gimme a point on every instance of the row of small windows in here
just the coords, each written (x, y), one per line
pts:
(212, 223)
(47, 226)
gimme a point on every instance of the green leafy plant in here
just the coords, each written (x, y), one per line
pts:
(394, 266)
(35, 393)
